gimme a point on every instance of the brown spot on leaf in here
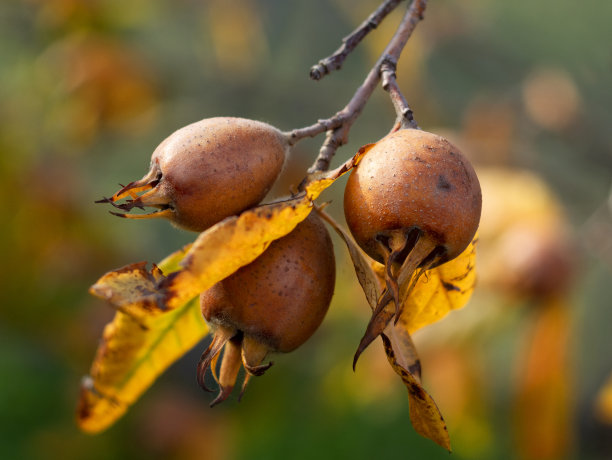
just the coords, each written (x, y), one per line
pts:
(450, 286)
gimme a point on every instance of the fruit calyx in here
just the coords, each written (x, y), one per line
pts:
(407, 256)
(412, 203)
(274, 304)
(142, 193)
(239, 350)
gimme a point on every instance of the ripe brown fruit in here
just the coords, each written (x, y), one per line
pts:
(409, 180)
(274, 304)
(207, 171)
(413, 202)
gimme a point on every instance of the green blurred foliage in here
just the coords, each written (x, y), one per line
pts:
(89, 88)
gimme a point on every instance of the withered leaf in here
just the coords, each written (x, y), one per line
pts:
(158, 318)
(365, 267)
(136, 347)
(424, 413)
(399, 348)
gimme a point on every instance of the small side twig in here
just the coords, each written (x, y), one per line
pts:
(405, 116)
(350, 42)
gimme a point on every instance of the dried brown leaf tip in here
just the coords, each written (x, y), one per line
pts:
(131, 289)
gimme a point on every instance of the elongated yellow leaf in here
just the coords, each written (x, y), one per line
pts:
(158, 318)
(217, 253)
(136, 347)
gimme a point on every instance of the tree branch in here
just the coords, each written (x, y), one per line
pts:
(338, 126)
(405, 116)
(350, 42)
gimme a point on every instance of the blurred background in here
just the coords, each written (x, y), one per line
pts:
(89, 88)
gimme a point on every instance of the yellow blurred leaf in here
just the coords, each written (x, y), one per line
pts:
(544, 402)
(511, 196)
(603, 404)
(136, 347)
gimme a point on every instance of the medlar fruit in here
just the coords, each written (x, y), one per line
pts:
(207, 171)
(273, 304)
(411, 180)
(412, 203)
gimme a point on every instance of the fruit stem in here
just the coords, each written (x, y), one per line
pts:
(405, 116)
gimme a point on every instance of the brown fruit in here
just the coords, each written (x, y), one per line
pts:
(413, 202)
(409, 180)
(274, 304)
(207, 171)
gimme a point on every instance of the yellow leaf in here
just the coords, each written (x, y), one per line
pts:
(441, 290)
(158, 318)
(603, 404)
(135, 348)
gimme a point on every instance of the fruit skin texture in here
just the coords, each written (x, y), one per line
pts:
(413, 179)
(207, 171)
(218, 167)
(280, 298)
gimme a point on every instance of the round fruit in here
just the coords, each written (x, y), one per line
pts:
(412, 202)
(274, 304)
(207, 171)
(413, 179)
